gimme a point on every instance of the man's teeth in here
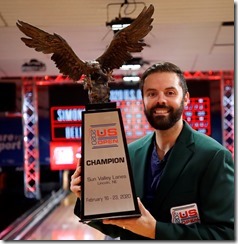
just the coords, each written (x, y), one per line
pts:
(160, 111)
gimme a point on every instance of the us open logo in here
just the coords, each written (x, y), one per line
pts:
(103, 135)
(186, 214)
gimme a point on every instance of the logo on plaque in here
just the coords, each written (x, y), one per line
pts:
(104, 135)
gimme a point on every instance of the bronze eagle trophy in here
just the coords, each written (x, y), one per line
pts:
(97, 72)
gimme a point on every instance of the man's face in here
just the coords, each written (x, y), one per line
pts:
(163, 100)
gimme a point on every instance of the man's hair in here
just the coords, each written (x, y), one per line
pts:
(165, 67)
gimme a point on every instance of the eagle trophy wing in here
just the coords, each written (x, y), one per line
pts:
(98, 71)
(64, 57)
(127, 40)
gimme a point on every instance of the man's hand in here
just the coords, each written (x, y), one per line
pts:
(76, 180)
(144, 225)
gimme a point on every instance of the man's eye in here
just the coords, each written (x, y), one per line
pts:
(151, 94)
(170, 93)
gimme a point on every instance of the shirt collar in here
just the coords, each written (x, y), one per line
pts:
(155, 155)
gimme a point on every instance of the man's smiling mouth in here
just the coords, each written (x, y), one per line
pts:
(160, 111)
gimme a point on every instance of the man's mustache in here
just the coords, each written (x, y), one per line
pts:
(161, 106)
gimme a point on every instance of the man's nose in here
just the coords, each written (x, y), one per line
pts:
(161, 99)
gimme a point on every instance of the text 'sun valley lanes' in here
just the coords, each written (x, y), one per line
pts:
(103, 180)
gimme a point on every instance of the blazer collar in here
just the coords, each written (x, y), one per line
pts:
(141, 158)
(179, 157)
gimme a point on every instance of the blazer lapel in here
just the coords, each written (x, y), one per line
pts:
(179, 157)
(140, 159)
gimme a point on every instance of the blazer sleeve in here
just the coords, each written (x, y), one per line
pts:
(216, 211)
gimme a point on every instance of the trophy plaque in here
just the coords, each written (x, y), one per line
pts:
(107, 186)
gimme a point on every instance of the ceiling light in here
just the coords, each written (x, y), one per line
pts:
(133, 64)
(131, 78)
(119, 23)
(130, 67)
(33, 65)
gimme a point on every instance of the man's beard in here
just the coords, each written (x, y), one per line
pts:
(160, 122)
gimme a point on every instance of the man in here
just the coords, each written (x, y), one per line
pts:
(184, 179)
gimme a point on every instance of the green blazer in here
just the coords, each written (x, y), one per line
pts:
(199, 170)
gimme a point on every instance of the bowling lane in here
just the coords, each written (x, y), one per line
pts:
(62, 224)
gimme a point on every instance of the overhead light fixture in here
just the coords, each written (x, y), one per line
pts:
(131, 78)
(130, 67)
(120, 22)
(134, 64)
(33, 65)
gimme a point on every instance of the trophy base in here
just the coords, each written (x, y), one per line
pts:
(100, 106)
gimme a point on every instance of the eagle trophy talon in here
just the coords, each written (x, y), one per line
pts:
(97, 72)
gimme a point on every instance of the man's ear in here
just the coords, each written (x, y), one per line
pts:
(186, 99)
